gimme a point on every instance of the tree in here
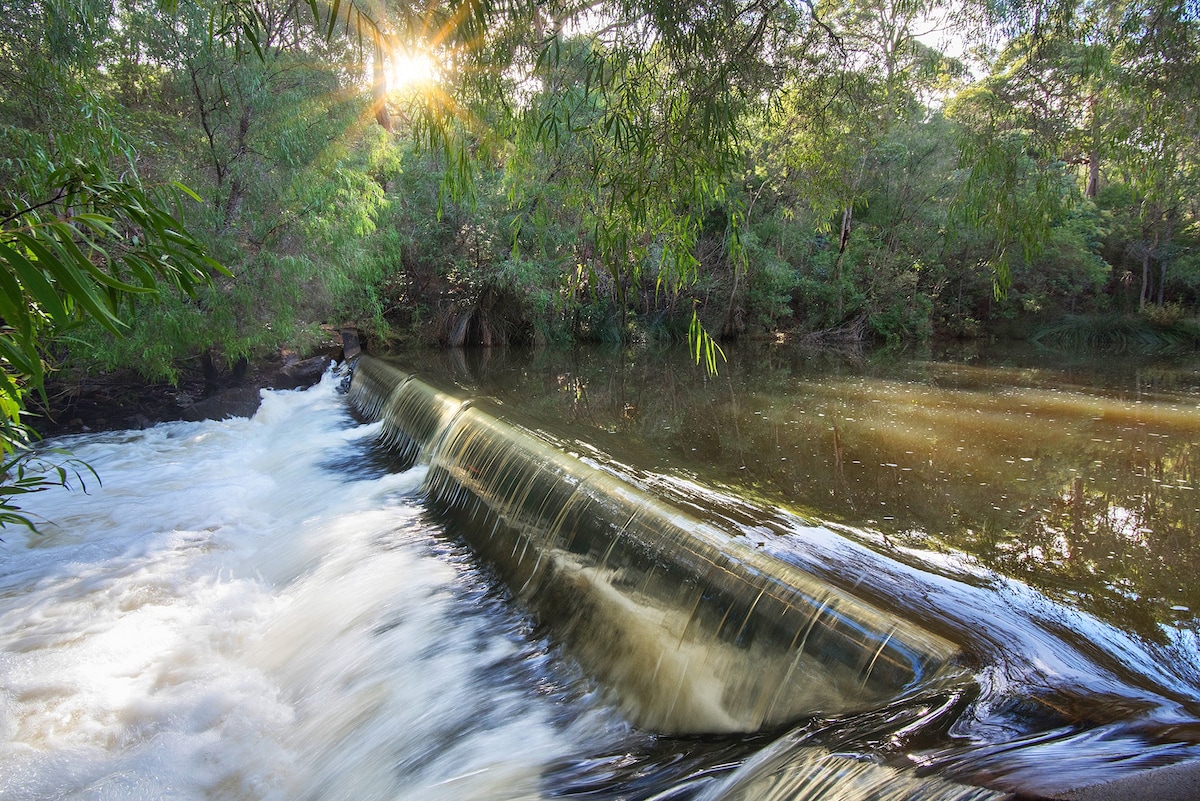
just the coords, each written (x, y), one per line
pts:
(80, 236)
(1092, 91)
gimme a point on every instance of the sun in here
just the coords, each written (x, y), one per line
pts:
(411, 71)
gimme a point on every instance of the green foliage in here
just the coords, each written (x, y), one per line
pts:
(1012, 196)
(616, 172)
(259, 311)
(626, 191)
(703, 345)
(295, 175)
(770, 282)
(1098, 92)
(80, 254)
(642, 133)
(81, 236)
(1183, 275)
(26, 471)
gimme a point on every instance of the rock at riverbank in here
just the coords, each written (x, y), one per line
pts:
(235, 402)
(123, 400)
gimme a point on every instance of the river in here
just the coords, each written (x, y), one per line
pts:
(268, 609)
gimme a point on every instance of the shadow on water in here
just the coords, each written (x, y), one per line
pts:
(1039, 509)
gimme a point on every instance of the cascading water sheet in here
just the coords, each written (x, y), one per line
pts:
(694, 630)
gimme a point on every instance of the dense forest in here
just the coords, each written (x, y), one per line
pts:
(208, 180)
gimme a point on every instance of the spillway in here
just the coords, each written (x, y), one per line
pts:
(691, 628)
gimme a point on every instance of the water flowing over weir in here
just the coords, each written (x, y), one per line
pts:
(701, 611)
(289, 608)
(694, 629)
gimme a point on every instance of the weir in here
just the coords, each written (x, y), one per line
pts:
(692, 628)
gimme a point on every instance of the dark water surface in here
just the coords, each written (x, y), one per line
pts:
(1039, 508)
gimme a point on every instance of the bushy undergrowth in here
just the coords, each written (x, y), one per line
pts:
(1149, 333)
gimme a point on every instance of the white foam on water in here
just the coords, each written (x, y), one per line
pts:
(227, 618)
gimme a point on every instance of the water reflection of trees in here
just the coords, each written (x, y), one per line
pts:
(1122, 543)
(1078, 496)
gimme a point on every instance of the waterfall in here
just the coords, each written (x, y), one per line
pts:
(690, 627)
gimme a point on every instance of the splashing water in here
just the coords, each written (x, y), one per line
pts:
(232, 616)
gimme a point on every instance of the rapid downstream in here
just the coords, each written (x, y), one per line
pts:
(248, 610)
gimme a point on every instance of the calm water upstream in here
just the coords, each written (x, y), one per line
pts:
(267, 609)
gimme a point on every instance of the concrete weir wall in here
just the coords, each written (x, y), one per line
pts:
(692, 629)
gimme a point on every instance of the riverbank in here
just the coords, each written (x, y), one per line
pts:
(78, 403)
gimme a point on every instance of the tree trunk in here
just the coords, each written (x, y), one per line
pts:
(237, 188)
(844, 237)
(1164, 235)
(1093, 181)
(233, 204)
(843, 241)
(729, 330)
(1150, 232)
(1145, 280)
(379, 92)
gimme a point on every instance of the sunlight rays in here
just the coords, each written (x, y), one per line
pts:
(412, 71)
